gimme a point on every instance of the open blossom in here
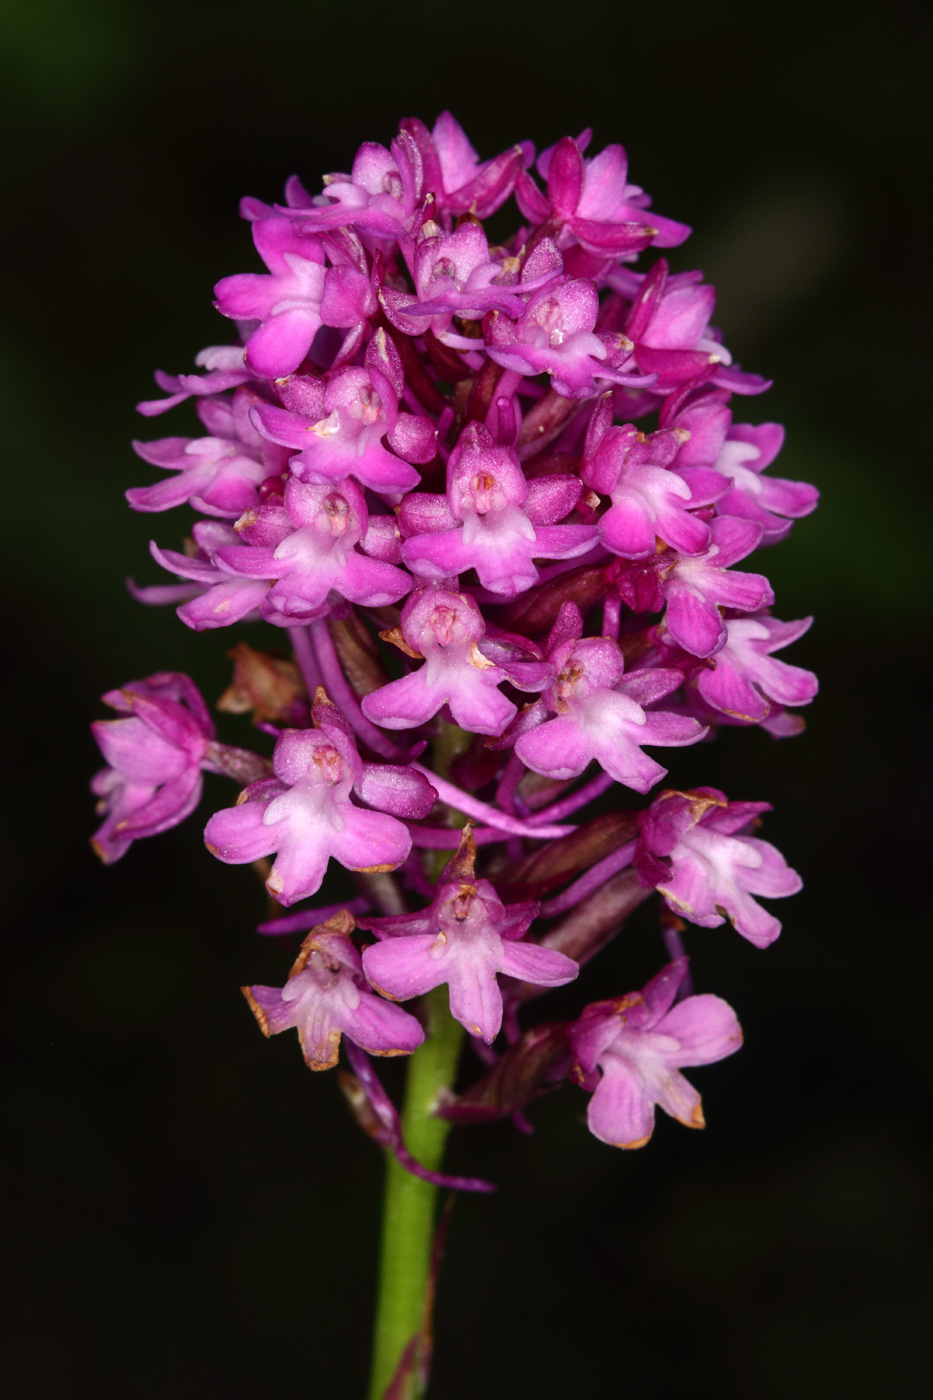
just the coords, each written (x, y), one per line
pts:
(556, 335)
(155, 753)
(305, 814)
(695, 849)
(598, 711)
(465, 937)
(219, 475)
(462, 668)
(668, 323)
(630, 1051)
(452, 273)
(742, 453)
(592, 202)
(460, 182)
(493, 520)
(286, 301)
(697, 588)
(747, 679)
(648, 500)
(327, 996)
(224, 369)
(215, 599)
(308, 546)
(336, 429)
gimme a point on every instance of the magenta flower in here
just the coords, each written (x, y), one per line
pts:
(219, 475)
(453, 274)
(155, 756)
(668, 321)
(339, 427)
(326, 997)
(599, 711)
(694, 849)
(454, 173)
(741, 453)
(630, 1051)
(305, 814)
(767, 500)
(462, 669)
(286, 301)
(746, 680)
(696, 588)
(592, 202)
(378, 197)
(308, 545)
(556, 335)
(648, 501)
(465, 937)
(493, 520)
(216, 599)
(225, 368)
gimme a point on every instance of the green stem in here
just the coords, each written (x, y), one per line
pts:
(409, 1206)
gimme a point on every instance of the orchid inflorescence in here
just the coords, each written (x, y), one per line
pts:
(422, 458)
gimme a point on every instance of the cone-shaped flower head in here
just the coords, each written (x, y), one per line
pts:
(630, 1051)
(326, 996)
(693, 847)
(465, 937)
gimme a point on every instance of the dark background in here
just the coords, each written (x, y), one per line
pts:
(189, 1212)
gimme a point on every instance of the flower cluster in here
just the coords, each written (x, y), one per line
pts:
(496, 495)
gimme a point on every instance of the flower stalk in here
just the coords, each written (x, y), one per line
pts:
(409, 1208)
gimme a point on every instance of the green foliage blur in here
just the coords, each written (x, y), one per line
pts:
(190, 1212)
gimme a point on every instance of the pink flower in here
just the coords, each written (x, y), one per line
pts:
(225, 370)
(305, 815)
(452, 273)
(648, 500)
(378, 197)
(599, 712)
(462, 668)
(465, 937)
(697, 588)
(219, 475)
(155, 756)
(339, 425)
(454, 173)
(308, 546)
(630, 1051)
(593, 203)
(493, 520)
(556, 335)
(326, 997)
(746, 680)
(286, 301)
(668, 322)
(693, 847)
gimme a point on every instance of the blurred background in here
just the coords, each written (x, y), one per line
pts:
(189, 1212)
